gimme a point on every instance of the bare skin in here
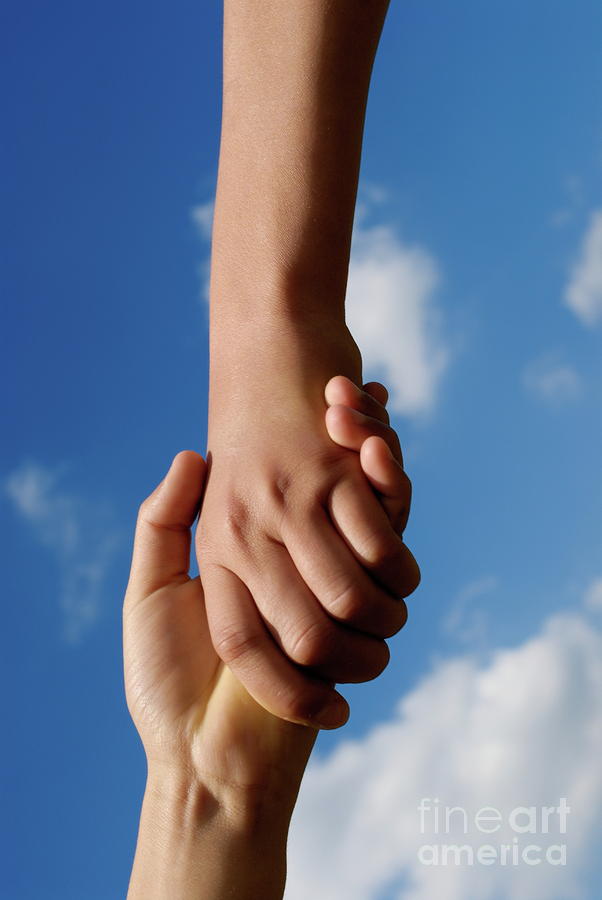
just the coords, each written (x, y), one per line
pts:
(304, 576)
(223, 773)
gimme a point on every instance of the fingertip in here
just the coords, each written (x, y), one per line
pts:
(161, 550)
(334, 714)
(338, 425)
(376, 457)
(176, 497)
(416, 576)
(188, 458)
(341, 390)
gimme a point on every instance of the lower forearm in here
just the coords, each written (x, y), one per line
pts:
(191, 846)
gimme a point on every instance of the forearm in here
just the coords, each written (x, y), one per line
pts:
(192, 846)
(296, 79)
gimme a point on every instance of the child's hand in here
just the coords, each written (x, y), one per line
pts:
(302, 572)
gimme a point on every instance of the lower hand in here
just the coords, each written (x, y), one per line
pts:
(192, 714)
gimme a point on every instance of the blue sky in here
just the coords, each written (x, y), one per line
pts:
(478, 236)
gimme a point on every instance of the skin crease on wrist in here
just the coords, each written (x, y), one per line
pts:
(223, 773)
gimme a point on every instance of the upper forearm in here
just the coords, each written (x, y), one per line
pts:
(296, 78)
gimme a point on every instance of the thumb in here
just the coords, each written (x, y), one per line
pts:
(161, 554)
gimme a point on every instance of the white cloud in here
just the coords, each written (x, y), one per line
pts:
(555, 382)
(74, 531)
(392, 314)
(584, 291)
(522, 730)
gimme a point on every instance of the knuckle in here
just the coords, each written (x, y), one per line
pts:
(384, 553)
(279, 488)
(145, 508)
(345, 602)
(311, 644)
(235, 518)
(232, 644)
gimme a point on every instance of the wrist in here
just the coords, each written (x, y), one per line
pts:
(266, 281)
(192, 845)
(190, 801)
(281, 356)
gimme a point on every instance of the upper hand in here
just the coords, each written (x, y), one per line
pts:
(304, 576)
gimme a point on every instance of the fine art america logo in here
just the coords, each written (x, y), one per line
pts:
(524, 835)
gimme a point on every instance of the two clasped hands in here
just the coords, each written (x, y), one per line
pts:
(302, 500)
(228, 678)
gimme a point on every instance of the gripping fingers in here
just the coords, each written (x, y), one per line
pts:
(341, 391)
(304, 631)
(241, 641)
(354, 429)
(362, 522)
(350, 428)
(343, 587)
(388, 478)
(377, 457)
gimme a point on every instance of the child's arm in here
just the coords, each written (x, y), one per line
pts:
(283, 587)
(223, 774)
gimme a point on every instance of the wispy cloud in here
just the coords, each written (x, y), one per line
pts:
(524, 729)
(464, 621)
(593, 595)
(393, 315)
(574, 198)
(584, 290)
(202, 217)
(78, 533)
(555, 382)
